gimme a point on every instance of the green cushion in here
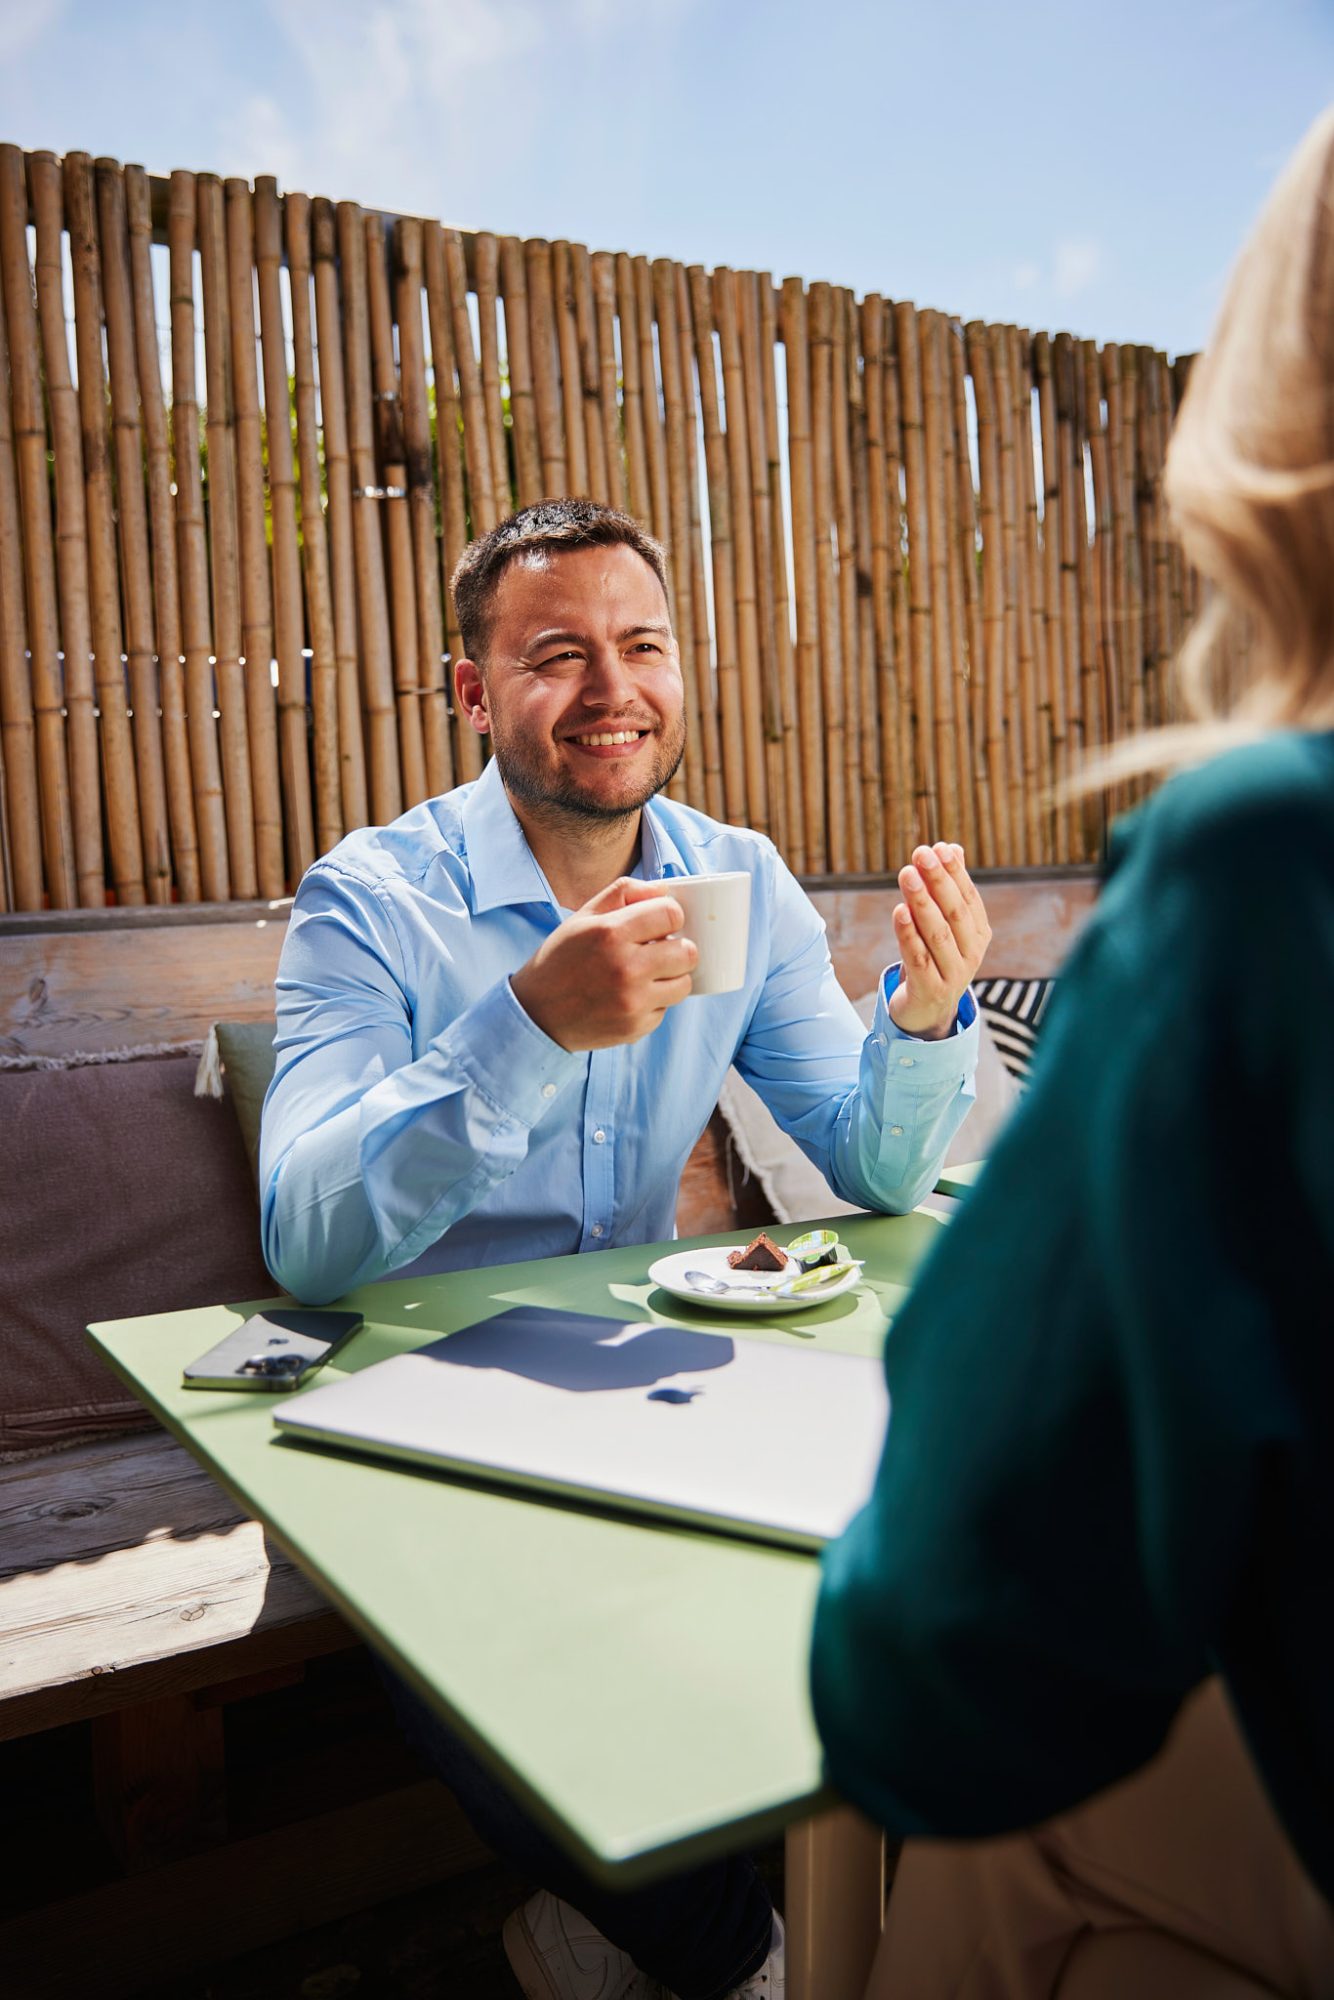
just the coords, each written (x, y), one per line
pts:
(246, 1050)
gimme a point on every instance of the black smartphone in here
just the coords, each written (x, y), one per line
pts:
(277, 1349)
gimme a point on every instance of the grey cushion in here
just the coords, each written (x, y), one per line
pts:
(121, 1193)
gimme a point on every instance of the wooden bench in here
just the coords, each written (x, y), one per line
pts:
(137, 1601)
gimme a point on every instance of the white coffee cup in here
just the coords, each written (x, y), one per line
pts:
(717, 920)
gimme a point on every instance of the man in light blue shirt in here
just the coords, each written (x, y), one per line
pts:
(487, 1049)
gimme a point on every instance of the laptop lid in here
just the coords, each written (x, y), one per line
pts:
(768, 1440)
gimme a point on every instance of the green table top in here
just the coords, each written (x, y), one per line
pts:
(958, 1180)
(641, 1686)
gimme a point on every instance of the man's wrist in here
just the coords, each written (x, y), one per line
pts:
(924, 1028)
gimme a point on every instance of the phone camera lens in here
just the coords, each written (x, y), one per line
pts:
(273, 1364)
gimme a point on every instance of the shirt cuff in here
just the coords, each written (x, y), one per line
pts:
(963, 1020)
(505, 1055)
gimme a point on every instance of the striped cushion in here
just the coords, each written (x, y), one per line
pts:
(1014, 1010)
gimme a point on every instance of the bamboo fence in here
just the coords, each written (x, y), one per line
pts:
(919, 569)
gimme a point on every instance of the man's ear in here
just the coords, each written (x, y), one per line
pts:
(471, 692)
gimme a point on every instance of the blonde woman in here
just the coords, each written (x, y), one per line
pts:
(1093, 1593)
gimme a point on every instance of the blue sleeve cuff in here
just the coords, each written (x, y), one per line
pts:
(963, 1020)
(503, 1052)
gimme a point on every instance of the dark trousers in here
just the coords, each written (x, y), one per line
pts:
(701, 1933)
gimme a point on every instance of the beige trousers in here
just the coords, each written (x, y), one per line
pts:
(1178, 1884)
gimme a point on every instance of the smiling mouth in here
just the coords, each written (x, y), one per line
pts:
(608, 738)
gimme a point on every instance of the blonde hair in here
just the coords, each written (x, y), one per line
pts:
(1250, 485)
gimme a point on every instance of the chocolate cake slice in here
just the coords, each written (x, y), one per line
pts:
(761, 1255)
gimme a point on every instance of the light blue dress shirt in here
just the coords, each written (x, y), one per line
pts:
(418, 1120)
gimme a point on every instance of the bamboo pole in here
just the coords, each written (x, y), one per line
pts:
(680, 601)
(880, 557)
(571, 386)
(781, 608)
(162, 542)
(859, 447)
(327, 744)
(989, 673)
(780, 766)
(438, 749)
(391, 464)
(288, 609)
(29, 420)
(1021, 726)
(1069, 468)
(377, 676)
(1053, 636)
(946, 726)
(518, 350)
(136, 577)
(192, 549)
(920, 624)
(1039, 710)
(902, 765)
(1133, 642)
(352, 763)
(256, 596)
(965, 595)
(1103, 701)
(589, 377)
(604, 300)
(753, 717)
(640, 494)
(801, 475)
(70, 533)
(1119, 694)
(704, 789)
(831, 652)
(23, 808)
(546, 376)
(1087, 594)
(723, 554)
(854, 749)
(486, 260)
(655, 443)
(468, 744)
(224, 549)
(483, 512)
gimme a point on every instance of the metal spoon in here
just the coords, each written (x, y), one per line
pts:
(811, 1281)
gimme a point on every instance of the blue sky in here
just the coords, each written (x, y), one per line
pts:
(1092, 167)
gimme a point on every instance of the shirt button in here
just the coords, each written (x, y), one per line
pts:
(905, 1062)
(896, 1131)
(548, 1090)
(599, 1137)
(596, 1230)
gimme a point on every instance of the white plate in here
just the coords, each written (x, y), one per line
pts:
(670, 1273)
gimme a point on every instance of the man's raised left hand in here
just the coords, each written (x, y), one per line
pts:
(942, 933)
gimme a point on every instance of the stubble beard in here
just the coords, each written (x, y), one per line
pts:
(561, 798)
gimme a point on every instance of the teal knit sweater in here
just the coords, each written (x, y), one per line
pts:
(1110, 1464)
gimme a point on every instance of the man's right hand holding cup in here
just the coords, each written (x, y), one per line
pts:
(609, 973)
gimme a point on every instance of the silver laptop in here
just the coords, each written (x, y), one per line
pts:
(776, 1441)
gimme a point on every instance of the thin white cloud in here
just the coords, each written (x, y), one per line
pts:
(1076, 265)
(397, 101)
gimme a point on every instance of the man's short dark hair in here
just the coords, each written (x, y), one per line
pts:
(548, 526)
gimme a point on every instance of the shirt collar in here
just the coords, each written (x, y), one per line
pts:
(501, 862)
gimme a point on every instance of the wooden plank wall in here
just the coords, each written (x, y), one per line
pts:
(918, 567)
(128, 978)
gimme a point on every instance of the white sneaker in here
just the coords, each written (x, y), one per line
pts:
(555, 1954)
(770, 1982)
